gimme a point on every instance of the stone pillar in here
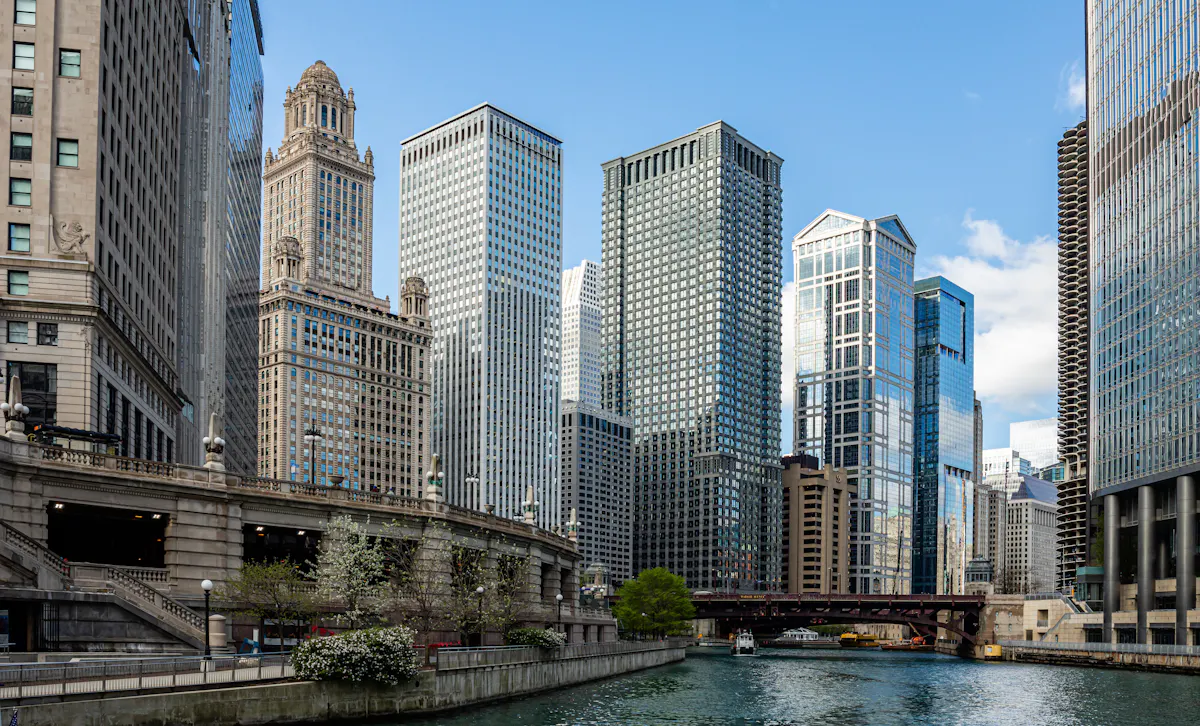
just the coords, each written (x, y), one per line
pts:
(1185, 555)
(1145, 572)
(1112, 565)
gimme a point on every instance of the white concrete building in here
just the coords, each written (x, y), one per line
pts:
(581, 356)
(1037, 441)
(481, 223)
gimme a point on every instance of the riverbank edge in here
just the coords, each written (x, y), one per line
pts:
(1177, 664)
(303, 702)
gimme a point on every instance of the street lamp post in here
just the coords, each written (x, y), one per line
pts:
(558, 599)
(312, 436)
(206, 586)
(479, 621)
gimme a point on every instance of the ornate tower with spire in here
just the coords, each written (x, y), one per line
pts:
(317, 190)
(334, 360)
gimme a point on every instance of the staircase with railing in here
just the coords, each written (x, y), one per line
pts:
(55, 573)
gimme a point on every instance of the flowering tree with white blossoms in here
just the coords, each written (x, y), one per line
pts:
(351, 569)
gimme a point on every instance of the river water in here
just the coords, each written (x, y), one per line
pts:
(844, 688)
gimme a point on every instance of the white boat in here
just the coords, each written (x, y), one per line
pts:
(743, 645)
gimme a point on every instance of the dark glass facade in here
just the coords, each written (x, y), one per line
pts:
(944, 444)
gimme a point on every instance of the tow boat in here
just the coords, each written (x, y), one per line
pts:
(743, 645)
(919, 643)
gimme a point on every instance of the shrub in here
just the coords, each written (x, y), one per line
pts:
(547, 638)
(377, 655)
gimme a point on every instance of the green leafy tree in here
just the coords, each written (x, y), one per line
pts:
(351, 569)
(269, 591)
(655, 602)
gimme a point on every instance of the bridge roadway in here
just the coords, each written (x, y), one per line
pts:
(776, 612)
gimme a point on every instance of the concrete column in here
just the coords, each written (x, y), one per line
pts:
(1112, 565)
(1145, 572)
(1185, 554)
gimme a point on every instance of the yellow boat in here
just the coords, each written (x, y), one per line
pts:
(858, 640)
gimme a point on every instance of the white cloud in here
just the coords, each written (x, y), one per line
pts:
(1016, 312)
(1072, 89)
(972, 95)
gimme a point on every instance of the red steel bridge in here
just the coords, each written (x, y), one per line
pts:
(776, 612)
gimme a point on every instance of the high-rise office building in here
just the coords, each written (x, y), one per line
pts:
(343, 382)
(597, 482)
(220, 193)
(1036, 440)
(1072, 351)
(1143, 237)
(1005, 462)
(944, 444)
(481, 222)
(581, 321)
(854, 381)
(816, 527)
(1030, 539)
(691, 259)
(101, 224)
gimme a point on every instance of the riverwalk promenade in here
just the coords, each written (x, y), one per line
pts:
(229, 692)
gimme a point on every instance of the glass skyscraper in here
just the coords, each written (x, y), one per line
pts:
(1143, 61)
(944, 444)
(854, 381)
(691, 259)
(481, 222)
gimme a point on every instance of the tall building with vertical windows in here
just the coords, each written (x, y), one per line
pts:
(1143, 239)
(99, 225)
(581, 320)
(343, 383)
(944, 444)
(854, 381)
(220, 207)
(481, 222)
(1073, 289)
(597, 478)
(691, 237)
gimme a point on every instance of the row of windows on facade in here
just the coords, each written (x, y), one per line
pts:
(69, 61)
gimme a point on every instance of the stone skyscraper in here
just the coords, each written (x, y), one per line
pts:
(221, 204)
(481, 221)
(1143, 214)
(581, 315)
(1072, 352)
(692, 284)
(854, 381)
(101, 231)
(944, 443)
(334, 361)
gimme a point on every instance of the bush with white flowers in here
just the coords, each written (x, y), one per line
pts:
(372, 655)
(547, 638)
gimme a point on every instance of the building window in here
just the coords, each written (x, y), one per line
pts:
(26, 12)
(21, 148)
(23, 56)
(18, 237)
(69, 63)
(20, 192)
(22, 102)
(324, 115)
(18, 331)
(68, 152)
(39, 390)
(18, 282)
(47, 333)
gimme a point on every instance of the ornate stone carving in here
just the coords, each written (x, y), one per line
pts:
(288, 246)
(69, 237)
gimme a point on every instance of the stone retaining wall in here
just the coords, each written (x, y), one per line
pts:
(315, 702)
(1132, 661)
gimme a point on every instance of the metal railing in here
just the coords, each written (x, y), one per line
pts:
(1083, 648)
(38, 680)
(452, 658)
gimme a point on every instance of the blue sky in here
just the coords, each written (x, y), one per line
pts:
(945, 113)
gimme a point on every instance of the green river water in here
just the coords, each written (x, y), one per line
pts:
(844, 688)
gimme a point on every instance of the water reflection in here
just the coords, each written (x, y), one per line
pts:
(789, 688)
